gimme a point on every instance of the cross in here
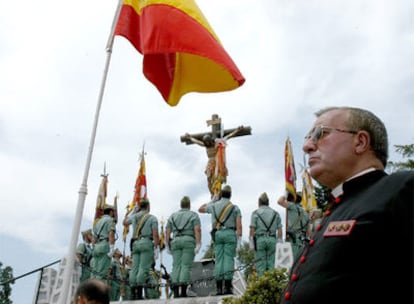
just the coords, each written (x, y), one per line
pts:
(214, 143)
(216, 131)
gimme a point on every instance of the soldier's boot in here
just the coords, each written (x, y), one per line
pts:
(183, 291)
(219, 285)
(139, 293)
(133, 293)
(175, 289)
(228, 287)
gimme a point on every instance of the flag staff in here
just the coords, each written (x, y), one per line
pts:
(68, 272)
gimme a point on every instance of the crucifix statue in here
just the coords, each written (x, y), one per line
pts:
(215, 143)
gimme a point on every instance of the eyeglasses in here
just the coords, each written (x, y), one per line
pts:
(320, 131)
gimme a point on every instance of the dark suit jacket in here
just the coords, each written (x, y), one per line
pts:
(366, 261)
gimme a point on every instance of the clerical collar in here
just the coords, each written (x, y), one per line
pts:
(338, 190)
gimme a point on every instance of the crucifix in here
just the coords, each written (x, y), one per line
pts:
(215, 143)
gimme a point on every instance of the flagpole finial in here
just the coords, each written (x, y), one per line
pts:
(104, 174)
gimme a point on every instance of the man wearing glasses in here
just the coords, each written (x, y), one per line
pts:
(362, 251)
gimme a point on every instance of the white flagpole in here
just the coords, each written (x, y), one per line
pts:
(68, 272)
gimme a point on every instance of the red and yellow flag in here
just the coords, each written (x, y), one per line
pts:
(101, 198)
(290, 172)
(182, 53)
(308, 195)
(140, 191)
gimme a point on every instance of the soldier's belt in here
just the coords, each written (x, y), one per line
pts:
(227, 228)
(265, 234)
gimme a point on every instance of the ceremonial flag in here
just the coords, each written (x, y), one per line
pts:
(140, 191)
(308, 195)
(162, 236)
(101, 198)
(290, 172)
(182, 53)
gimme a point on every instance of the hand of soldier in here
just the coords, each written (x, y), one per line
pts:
(156, 253)
(111, 251)
(197, 248)
(239, 243)
(279, 240)
(251, 243)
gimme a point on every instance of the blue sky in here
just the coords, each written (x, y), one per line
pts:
(296, 56)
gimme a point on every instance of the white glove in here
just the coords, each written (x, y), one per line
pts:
(251, 243)
(279, 240)
(156, 253)
(111, 251)
(239, 243)
(132, 213)
(197, 248)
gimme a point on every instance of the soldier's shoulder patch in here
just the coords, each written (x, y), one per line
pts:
(339, 228)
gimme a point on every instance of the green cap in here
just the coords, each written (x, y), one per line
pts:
(107, 206)
(185, 200)
(227, 188)
(264, 197)
(85, 232)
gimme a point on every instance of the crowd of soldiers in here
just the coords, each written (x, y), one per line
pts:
(135, 277)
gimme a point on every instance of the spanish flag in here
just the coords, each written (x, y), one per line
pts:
(140, 191)
(182, 53)
(290, 171)
(308, 195)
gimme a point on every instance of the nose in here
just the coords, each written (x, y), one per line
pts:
(308, 145)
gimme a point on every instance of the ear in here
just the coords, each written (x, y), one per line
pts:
(362, 142)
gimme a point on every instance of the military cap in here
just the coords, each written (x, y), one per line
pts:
(87, 231)
(144, 203)
(185, 200)
(226, 188)
(117, 251)
(107, 206)
(263, 197)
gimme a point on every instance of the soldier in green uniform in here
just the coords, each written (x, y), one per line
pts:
(84, 254)
(152, 289)
(186, 242)
(116, 276)
(104, 240)
(226, 220)
(145, 240)
(265, 231)
(297, 223)
(125, 287)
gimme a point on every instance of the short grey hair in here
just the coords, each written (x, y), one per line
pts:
(364, 120)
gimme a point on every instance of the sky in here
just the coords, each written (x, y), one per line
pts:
(296, 56)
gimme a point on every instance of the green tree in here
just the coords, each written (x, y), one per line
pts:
(322, 196)
(264, 290)
(406, 151)
(209, 254)
(245, 257)
(6, 279)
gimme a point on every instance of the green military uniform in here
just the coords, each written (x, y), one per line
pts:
(152, 290)
(127, 288)
(182, 245)
(298, 221)
(265, 221)
(101, 262)
(142, 247)
(85, 250)
(116, 280)
(225, 242)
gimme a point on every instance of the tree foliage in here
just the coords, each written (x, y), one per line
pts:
(267, 289)
(6, 276)
(245, 257)
(406, 152)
